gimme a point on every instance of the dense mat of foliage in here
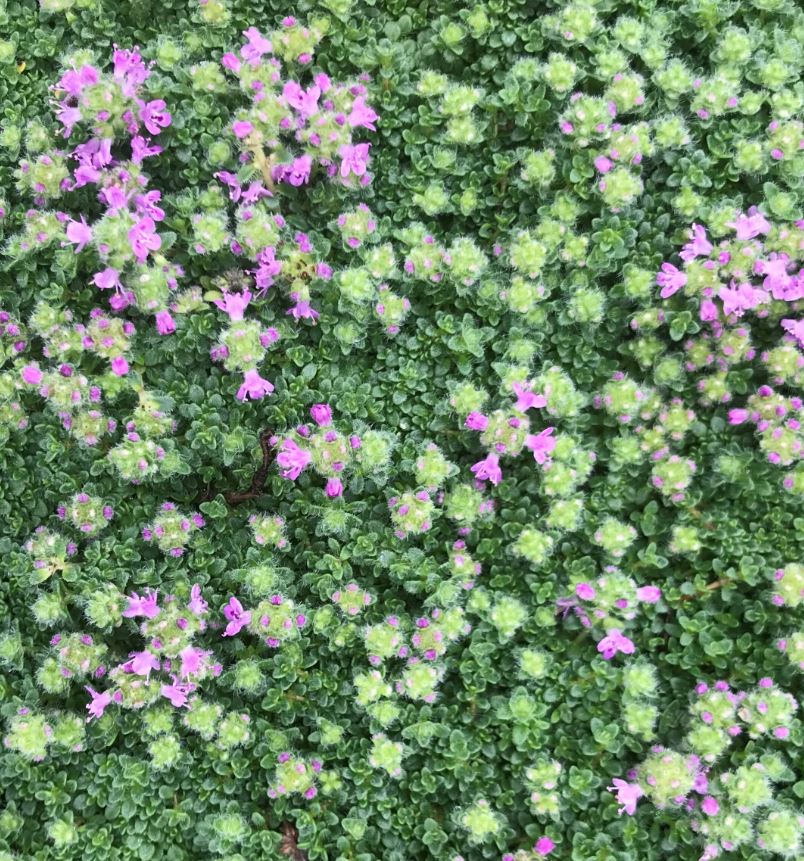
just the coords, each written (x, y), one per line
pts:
(399, 417)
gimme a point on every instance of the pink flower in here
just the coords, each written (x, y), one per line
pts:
(304, 101)
(254, 386)
(303, 309)
(176, 693)
(79, 233)
(544, 846)
(782, 285)
(98, 703)
(526, 398)
(362, 115)
(603, 164)
(298, 172)
(354, 159)
(193, 661)
(627, 794)
(541, 444)
(107, 279)
(292, 459)
(334, 488)
(140, 149)
(32, 375)
(699, 246)
(476, 421)
(489, 468)
(615, 642)
(710, 806)
(142, 663)
(737, 300)
(143, 238)
(670, 279)
(145, 606)
(119, 366)
(230, 61)
(197, 605)
(321, 414)
(234, 304)
(738, 416)
(708, 311)
(585, 592)
(795, 328)
(649, 594)
(154, 116)
(165, 324)
(256, 46)
(236, 616)
(242, 128)
(751, 225)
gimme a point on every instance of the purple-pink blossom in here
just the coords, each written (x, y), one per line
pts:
(476, 421)
(234, 304)
(236, 616)
(254, 386)
(143, 238)
(31, 375)
(737, 299)
(321, 414)
(541, 444)
(256, 46)
(304, 101)
(98, 703)
(794, 328)
(292, 459)
(302, 309)
(142, 663)
(670, 279)
(544, 846)
(107, 279)
(526, 399)
(362, 115)
(145, 606)
(698, 246)
(334, 488)
(750, 225)
(79, 233)
(155, 115)
(177, 693)
(615, 641)
(242, 128)
(120, 366)
(649, 594)
(488, 468)
(165, 324)
(193, 661)
(298, 171)
(627, 794)
(197, 605)
(710, 806)
(354, 159)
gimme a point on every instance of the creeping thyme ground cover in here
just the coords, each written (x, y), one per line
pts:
(402, 448)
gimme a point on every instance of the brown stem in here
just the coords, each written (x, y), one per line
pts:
(289, 843)
(724, 581)
(235, 497)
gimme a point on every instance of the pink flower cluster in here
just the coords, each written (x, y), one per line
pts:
(168, 629)
(509, 434)
(757, 268)
(319, 119)
(607, 604)
(124, 236)
(328, 451)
